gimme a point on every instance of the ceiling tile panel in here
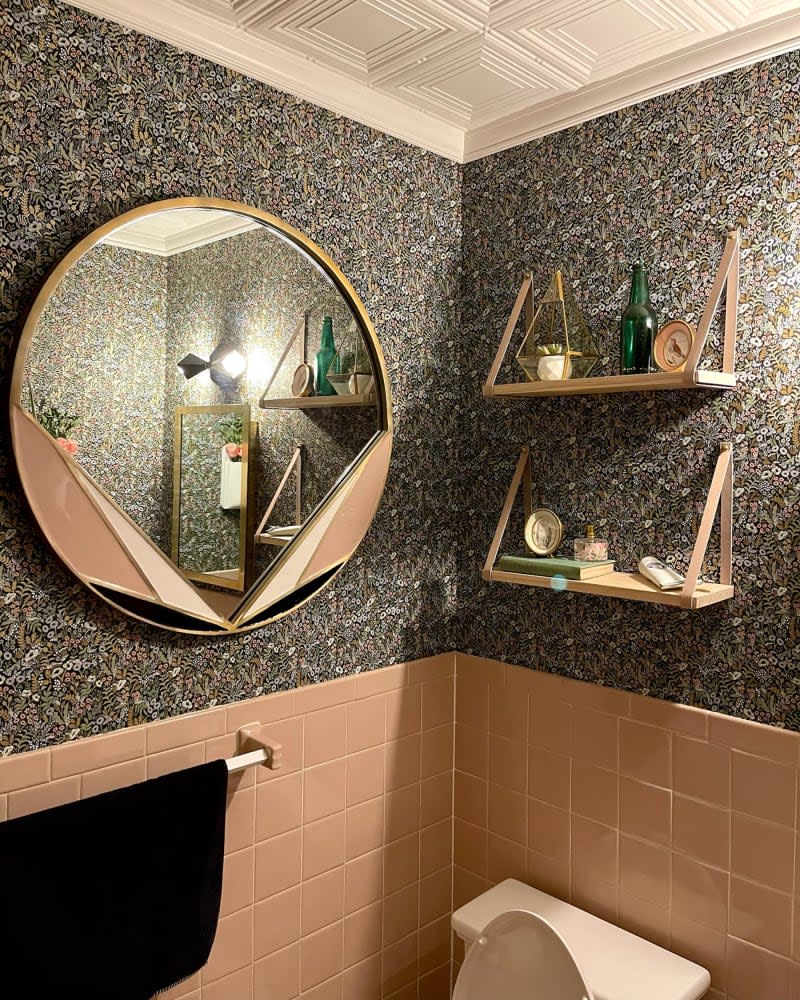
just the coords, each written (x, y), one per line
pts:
(467, 77)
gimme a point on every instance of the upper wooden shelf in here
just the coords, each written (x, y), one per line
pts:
(616, 383)
(314, 402)
(693, 377)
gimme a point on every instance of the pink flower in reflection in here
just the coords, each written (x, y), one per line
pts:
(70, 446)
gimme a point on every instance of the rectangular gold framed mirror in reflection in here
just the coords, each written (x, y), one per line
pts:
(211, 494)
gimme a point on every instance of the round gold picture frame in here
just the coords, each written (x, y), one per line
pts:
(543, 532)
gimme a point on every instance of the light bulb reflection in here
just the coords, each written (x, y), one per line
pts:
(234, 364)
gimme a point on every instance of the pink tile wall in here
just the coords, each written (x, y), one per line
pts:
(680, 825)
(338, 868)
(342, 868)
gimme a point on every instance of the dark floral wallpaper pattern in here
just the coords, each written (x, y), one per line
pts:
(96, 119)
(661, 182)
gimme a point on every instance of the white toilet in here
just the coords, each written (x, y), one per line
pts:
(525, 945)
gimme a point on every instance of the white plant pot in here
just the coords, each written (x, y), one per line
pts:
(551, 367)
(230, 482)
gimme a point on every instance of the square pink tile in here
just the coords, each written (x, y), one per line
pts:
(403, 712)
(645, 753)
(366, 723)
(323, 845)
(325, 735)
(595, 738)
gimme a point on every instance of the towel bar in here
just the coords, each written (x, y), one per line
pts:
(254, 747)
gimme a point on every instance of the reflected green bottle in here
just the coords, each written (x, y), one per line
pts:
(638, 327)
(325, 356)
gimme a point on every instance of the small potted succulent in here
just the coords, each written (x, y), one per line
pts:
(553, 363)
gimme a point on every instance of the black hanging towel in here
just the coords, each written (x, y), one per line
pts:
(115, 897)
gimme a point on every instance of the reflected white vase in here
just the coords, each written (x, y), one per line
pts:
(230, 483)
(551, 367)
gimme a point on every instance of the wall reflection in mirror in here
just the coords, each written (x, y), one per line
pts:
(181, 363)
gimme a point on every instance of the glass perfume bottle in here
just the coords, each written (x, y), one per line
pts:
(590, 549)
(638, 327)
(325, 359)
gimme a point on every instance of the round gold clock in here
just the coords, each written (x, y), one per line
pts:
(543, 532)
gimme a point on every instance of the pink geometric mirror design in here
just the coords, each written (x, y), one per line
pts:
(209, 309)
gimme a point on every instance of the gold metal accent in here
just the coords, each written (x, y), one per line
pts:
(381, 391)
(557, 323)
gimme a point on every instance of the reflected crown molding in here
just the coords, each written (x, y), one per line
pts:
(172, 233)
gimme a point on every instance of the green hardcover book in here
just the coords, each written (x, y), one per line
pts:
(570, 569)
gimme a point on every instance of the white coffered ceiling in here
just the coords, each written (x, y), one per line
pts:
(468, 77)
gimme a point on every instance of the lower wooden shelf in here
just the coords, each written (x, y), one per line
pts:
(633, 586)
(628, 586)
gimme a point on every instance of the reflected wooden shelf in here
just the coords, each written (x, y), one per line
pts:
(692, 595)
(626, 586)
(693, 377)
(315, 402)
(265, 538)
(616, 383)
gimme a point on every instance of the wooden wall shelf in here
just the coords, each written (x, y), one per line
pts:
(632, 586)
(315, 402)
(625, 586)
(726, 279)
(618, 383)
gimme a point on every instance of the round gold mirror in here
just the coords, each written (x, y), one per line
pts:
(201, 415)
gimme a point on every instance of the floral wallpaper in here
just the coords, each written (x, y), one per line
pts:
(96, 120)
(661, 182)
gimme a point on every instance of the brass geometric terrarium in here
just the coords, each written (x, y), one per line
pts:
(557, 342)
(350, 372)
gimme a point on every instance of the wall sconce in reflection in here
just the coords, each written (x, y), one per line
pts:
(225, 366)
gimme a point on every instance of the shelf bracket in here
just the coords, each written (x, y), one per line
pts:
(727, 280)
(522, 471)
(720, 494)
(296, 464)
(524, 300)
(301, 327)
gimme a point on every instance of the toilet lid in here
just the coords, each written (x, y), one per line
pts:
(520, 956)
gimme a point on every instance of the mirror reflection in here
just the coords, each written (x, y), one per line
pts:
(210, 541)
(211, 382)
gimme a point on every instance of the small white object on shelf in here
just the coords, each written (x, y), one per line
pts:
(662, 576)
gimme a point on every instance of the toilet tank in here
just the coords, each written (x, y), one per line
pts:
(616, 964)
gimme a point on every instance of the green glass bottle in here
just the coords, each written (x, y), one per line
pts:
(638, 327)
(325, 356)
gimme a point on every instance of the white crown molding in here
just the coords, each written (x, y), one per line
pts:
(210, 37)
(721, 55)
(257, 58)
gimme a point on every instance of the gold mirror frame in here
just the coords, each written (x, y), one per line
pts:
(77, 517)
